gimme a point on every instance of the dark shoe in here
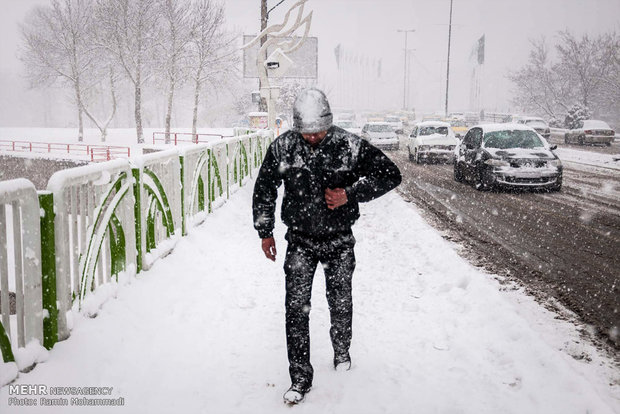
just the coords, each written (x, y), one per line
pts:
(296, 393)
(342, 362)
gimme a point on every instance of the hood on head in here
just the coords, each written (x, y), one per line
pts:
(311, 112)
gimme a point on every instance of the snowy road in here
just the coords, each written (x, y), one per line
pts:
(203, 331)
(564, 245)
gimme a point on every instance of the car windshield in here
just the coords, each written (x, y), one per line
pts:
(379, 128)
(512, 139)
(430, 130)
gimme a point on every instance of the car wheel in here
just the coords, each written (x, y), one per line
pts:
(416, 156)
(557, 186)
(581, 140)
(410, 155)
(480, 183)
(458, 174)
(608, 144)
(566, 138)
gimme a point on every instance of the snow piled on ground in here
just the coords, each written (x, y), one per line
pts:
(590, 158)
(203, 331)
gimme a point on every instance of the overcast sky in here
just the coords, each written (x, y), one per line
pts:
(369, 28)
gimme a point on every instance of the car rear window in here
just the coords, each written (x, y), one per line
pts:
(512, 139)
(536, 124)
(379, 128)
(593, 124)
(344, 124)
(430, 130)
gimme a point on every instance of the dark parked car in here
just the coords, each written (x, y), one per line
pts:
(509, 156)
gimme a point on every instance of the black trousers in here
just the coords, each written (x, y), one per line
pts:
(336, 255)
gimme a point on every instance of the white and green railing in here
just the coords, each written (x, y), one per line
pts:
(20, 267)
(100, 221)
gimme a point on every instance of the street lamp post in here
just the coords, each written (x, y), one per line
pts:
(448, 61)
(406, 31)
(278, 62)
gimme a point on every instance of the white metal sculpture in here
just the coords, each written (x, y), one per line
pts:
(278, 62)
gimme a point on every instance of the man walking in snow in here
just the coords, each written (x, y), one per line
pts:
(326, 171)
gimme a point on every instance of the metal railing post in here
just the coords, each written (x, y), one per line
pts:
(48, 269)
(137, 217)
(183, 223)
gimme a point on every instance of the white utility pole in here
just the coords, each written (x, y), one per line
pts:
(406, 31)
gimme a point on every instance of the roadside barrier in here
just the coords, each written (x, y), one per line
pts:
(180, 138)
(97, 222)
(94, 152)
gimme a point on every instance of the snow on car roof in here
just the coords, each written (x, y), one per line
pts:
(593, 123)
(433, 123)
(377, 123)
(503, 127)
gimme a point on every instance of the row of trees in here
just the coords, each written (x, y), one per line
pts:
(576, 73)
(89, 46)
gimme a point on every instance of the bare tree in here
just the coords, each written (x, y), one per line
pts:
(175, 39)
(539, 87)
(586, 72)
(212, 56)
(57, 47)
(103, 81)
(288, 94)
(130, 34)
(586, 62)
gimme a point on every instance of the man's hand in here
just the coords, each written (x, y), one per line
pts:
(335, 198)
(269, 248)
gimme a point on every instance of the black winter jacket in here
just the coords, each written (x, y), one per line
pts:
(341, 160)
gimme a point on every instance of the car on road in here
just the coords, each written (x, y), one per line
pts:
(590, 131)
(348, 125)
(509, 156)
(538, 124)
(432, 141)
(459, 127)
(396, 123)
(381, 135)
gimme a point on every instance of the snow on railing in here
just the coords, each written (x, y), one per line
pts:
(158, 178)
(94, 152)
(20, 274)
(101, 220)
(212, 171)
(94, 229)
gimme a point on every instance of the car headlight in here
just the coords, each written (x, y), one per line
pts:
(554, 163)
(424, 148)
(497, 163)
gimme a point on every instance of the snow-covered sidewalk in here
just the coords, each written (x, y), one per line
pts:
(203, 332)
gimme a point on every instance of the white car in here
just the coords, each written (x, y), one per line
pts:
(538, 124)
(396, 123)
(347, 125)
(590, 131)
(380, 134)
(432, 140)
